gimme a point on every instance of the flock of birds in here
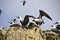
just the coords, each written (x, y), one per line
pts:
(35, 20)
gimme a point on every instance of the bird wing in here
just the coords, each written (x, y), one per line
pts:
(42, 13)
(29, 16)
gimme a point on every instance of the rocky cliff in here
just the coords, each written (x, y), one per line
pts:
(21, 33)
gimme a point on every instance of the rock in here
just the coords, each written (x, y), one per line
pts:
(50, 35)
(19, 33)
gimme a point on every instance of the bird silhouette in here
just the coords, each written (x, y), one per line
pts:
(42, 13)
(0, 12)
(26, 20)
(24, 2)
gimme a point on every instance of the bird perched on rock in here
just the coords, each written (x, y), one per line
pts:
(26, 20)
(55, 29)
(24, 2)
(39, 19)
(58, 25)
(14, 20)
(11, 23)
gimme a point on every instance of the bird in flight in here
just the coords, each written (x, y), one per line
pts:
(0, 12)
(39, 19)
(24, 2)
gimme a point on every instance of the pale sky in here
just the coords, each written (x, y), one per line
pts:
(13, 8)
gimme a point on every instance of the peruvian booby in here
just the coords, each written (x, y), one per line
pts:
(26, 20)
(39, 19)
(0, 12)
(58, 25)
(14, 20)
(12, 23)
(55, 29)
(24, 2)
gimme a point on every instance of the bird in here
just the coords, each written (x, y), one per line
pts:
(39, 19)
(55, 29)
(14, 20)
(58, 23)
(0, 12)
(20, 20)
(11, 23)
(26, 20)
(42, 13)
(24, 2)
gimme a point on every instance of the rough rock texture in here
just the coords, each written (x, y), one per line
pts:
(50, 35)
(19, 33)
(33, 33)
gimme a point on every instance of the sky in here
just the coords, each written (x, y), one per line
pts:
(13, 8)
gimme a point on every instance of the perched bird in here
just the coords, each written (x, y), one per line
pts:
(20, 19)
(58, 23)
(24, 2)
(26, 20)
(0, 12)
(11, 23)
(42, 13)
(39, 19)
(14, 20)
(55, 29)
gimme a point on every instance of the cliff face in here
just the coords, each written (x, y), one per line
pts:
(34, 33)
(50, 35)
(19, 33)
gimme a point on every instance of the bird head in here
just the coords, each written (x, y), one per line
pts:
(19, 17)
(58, 23)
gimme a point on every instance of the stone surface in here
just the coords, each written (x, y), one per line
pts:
(32, 33)
(19, 33)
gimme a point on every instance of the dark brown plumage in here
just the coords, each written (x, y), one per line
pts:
(39, 19)
(26, 20)
(42, 13)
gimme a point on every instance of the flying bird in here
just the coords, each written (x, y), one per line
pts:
(39, 19)
(26, 20)
(24, 2)
(0, 12)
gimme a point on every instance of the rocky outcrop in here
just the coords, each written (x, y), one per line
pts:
(19, 33)
(50, 35)
(32, 33)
